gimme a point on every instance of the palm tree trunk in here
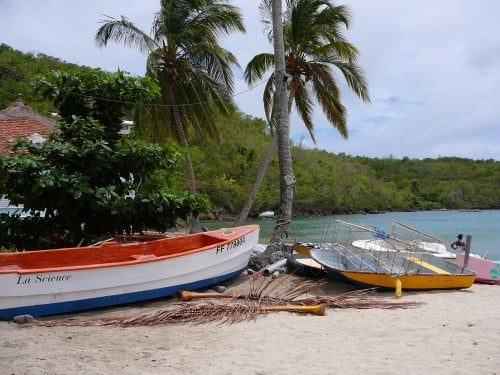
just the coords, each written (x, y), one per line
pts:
(258, 182)
(276, 247)
(194, 223)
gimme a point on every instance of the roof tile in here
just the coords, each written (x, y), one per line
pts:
(20, 121)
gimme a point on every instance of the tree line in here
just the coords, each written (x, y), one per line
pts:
(327, 183)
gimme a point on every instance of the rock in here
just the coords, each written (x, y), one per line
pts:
(22, 319)
(219, 288)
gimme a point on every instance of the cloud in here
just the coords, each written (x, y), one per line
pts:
(432, 68)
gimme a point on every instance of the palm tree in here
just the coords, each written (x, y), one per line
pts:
(313, 44)
(192, 69)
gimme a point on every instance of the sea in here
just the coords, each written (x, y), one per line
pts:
(482, 225)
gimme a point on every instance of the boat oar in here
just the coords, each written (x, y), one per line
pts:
(187, 295)
(315, 309)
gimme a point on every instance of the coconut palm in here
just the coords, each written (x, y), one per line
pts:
(314, 44)
(192, 69)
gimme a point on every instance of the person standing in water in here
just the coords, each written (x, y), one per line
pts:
(459, 244)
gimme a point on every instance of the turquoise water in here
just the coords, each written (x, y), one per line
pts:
(483, 226)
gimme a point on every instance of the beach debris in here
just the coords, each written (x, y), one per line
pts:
(271, 269)
(277, 293)
(185, 312)
(259, 297)
(220, 288)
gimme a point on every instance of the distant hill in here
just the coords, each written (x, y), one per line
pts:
(17, 71)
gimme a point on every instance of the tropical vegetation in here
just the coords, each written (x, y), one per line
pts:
(308, 42)
(88, 180)
(192, 69)
(326, 183)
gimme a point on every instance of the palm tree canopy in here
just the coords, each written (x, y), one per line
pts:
(184, 56)
(314, 44)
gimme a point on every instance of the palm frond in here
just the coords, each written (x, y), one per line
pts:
(305, 106)
(183, 313)
(358, 299)
(123, 31)
(314, 38)
(270, 102)
(258, 66)
(287, 291)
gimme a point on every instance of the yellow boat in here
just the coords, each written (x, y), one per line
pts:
(302, 247)
(385, 269)
(305, 247)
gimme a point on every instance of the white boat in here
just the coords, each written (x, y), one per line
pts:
(58, 281)
(411, 240)
(266, 215)
(434, 248)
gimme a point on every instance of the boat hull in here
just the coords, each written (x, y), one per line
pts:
(487, 271)
(413, 282)
(304, 265)
(151, 270)
(384, 269)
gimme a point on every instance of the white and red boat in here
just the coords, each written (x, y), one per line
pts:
(49, 282)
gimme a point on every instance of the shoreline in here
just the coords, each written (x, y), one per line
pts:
(452, 332)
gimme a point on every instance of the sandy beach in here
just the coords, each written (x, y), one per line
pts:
(452, 332)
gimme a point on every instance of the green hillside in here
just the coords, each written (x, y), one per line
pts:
(327, 183)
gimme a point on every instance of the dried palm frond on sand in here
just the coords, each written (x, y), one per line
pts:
(185, 312)
(262, 297)
(271, 292)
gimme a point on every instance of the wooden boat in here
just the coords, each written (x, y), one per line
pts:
(487, 271)
(385, 269)
(58, 281)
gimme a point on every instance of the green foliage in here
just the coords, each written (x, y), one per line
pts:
(87, 179)
(104, 97)
(187, 61)
(17, 71)
(226, 170)
(326, 183)
(77, 179)
(314, 46)
(336, 183)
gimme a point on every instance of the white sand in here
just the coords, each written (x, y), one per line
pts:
(454, 332)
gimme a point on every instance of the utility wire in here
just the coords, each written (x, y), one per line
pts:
(18, 78)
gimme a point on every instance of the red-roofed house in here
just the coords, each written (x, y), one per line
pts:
(21, 121)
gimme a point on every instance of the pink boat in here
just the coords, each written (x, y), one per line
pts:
(487, 271)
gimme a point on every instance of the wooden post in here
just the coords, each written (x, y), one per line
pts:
(468, 240)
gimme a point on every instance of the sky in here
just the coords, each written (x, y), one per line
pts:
(433, 68)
